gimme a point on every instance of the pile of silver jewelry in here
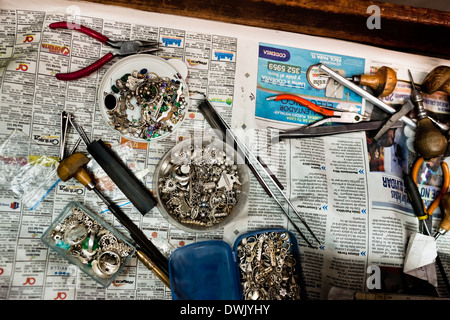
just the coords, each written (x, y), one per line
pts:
(162, 103)
(95, 246)
(268, 268)
(202, 186)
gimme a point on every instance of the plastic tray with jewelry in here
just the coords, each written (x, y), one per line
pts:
(144, 97)
(263, 265)
(88, 242)
(201, 184)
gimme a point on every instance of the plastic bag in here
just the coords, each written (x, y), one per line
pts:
(26, 170)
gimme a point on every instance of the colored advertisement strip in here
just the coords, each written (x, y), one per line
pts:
(291, 70)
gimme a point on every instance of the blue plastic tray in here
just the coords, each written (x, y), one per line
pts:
(208, 270)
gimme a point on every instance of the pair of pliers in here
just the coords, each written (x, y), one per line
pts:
(330, 115)
(124, 48)
(425, 215)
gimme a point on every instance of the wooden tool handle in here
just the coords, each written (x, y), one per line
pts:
(437, 80)
(383, 82)
(70, 166)
(429, 141)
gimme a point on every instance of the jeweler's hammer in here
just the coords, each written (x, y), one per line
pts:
(147, 253)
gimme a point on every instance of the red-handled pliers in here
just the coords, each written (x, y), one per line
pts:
(330, 115)
(125, 48)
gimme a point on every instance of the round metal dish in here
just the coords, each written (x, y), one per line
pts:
(178, 164)
(109, 101)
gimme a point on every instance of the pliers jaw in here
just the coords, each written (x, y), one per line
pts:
(132, 47)
(343, 117)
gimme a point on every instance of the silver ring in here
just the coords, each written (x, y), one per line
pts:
(109, 262)
(75, 234)
(97, 270)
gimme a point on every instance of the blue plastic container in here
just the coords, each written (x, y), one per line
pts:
(209, 270)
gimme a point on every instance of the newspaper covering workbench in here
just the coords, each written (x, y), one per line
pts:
(352, 199)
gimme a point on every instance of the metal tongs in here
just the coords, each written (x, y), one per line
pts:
(124, 48)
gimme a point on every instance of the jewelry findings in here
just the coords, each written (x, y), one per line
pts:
(268, 268)
(161, 103)
(199, 186)
(95, 246)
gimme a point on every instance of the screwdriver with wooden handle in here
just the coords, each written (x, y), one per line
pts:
(445, 222)
(147, 253)
(383, 82)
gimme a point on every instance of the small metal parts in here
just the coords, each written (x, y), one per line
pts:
(85, 238)
(268, 267)
(199, 186)
(161, 103)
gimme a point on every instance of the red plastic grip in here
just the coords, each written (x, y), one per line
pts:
(86, 70)
(314, 107)
(68, 25)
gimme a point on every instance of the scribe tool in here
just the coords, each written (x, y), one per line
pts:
(63, 139)
(124, 48)
(216, 121)
(147, 253)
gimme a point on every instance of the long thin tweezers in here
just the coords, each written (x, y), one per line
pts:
(310, 132)
(216, 121)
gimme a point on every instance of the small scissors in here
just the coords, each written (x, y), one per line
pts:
(427, 219)
(125, 48)
(330, 115)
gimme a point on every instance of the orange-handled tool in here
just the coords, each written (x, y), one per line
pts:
(310, 105)
(330, 115)
(446, 175)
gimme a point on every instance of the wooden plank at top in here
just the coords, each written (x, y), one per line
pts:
(402, 28)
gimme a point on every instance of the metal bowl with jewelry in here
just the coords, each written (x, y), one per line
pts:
(144, 97)
(201, 185)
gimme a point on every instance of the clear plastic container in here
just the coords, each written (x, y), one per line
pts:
(87, 241)
(201, 185)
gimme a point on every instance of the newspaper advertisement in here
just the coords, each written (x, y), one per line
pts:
(347, 187)
(302, 76)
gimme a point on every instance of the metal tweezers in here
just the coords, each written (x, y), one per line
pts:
(309, 132)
